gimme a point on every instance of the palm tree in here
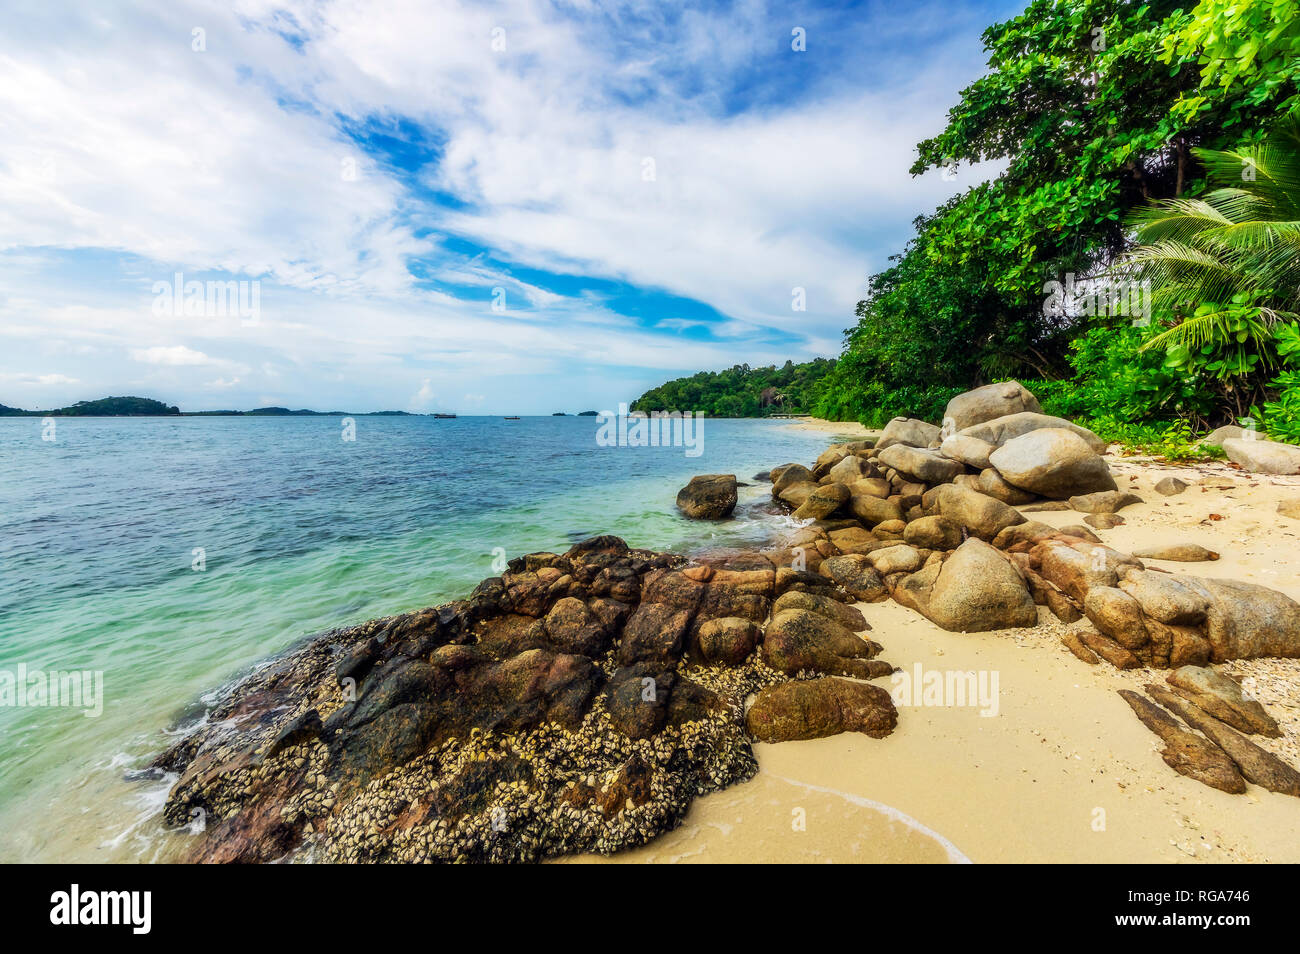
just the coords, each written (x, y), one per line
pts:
(1225, 268)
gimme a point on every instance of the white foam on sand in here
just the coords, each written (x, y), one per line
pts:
(955, 854)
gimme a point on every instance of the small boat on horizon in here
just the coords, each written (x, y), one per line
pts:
(512, 418)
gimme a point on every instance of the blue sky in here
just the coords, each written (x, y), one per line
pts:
(512, 207)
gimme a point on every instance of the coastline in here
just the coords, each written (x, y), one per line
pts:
(1062, 772)
(849, 430)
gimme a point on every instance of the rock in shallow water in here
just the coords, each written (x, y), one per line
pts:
(708, 496)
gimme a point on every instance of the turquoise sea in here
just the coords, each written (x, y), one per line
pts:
(171, 554)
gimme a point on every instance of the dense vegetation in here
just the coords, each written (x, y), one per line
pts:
(1115, 120)
(743, 391)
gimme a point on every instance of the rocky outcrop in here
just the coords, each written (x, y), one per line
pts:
(708, 497)
(578, 702)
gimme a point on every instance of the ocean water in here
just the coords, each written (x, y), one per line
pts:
(171, 555)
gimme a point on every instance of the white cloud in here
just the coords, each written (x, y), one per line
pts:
(116, 136)
(174, 356)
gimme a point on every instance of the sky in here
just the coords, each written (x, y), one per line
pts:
(512, 207)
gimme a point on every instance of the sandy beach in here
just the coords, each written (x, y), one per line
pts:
(1062, 771)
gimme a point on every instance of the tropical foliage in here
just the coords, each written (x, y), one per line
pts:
(742, 391)
(1098, 109)
(1225, 268)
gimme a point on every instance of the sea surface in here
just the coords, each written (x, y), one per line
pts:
(169, 555)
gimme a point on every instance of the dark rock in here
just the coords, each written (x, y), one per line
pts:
(855, 573)
(797, 640)
(727, 640)
(654, 633)
(815, 708)
(708, 496)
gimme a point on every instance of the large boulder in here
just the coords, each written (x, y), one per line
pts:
(856, 575)
(1053, 462)
(920, 464)
(988, 403)
(971, 451)
(978, 590)
(797, 640)
(815, 708)
(909, 431)
(823, 502)
(869, 507)
(1263, 457)
(1246, 620)
(981, 515)
(1002, 429)
(708, 496)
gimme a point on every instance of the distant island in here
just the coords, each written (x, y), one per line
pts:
(742, 391)
(148, 407)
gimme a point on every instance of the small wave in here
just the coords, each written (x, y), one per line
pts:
(955, 854)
